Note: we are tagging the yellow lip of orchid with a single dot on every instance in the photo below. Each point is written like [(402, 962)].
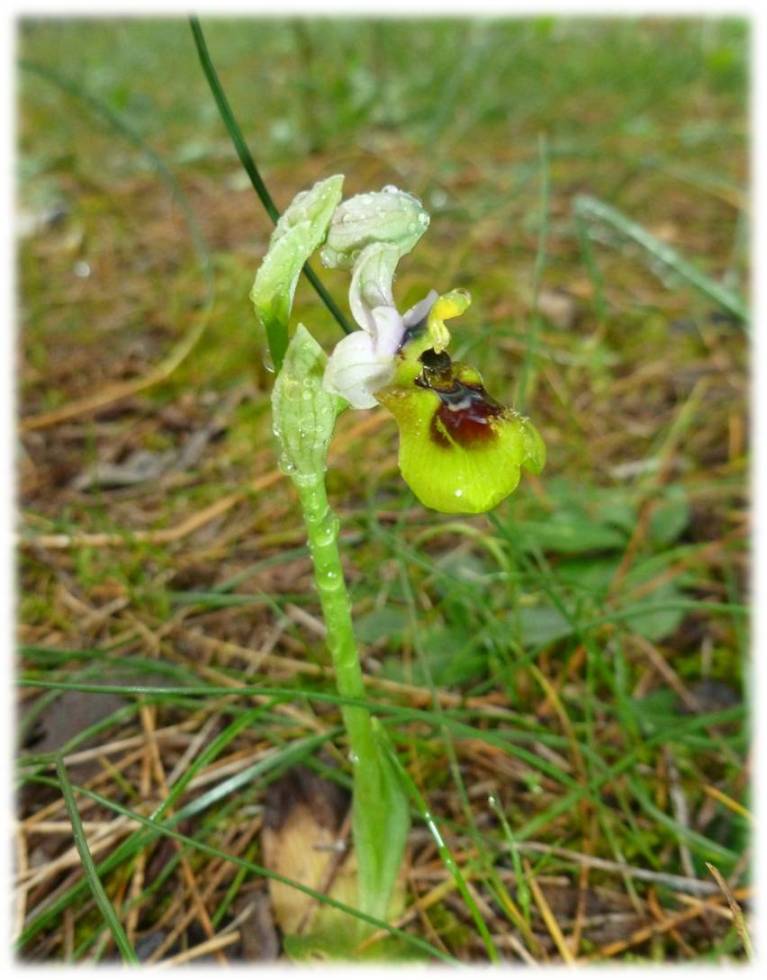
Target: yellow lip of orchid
[(460, 451)]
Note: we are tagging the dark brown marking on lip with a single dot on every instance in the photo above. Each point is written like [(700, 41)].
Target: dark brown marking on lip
[(466, 411), (464, 416)]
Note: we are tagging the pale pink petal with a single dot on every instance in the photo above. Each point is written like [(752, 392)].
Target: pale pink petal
[(421, 309), (389, 331)]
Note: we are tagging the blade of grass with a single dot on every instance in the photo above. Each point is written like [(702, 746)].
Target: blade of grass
[(595, 275), (594, 210), (445, 854), (703, 846), (249, 164), (234, 888), (523, 890), (737, 913), (89, 868), (531, 348)]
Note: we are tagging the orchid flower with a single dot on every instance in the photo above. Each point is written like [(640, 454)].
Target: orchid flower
[(460, 450)]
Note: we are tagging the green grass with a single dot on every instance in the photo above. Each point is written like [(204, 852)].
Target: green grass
[(605, 159), (89, 868)]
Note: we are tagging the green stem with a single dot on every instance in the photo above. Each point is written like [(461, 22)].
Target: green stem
[(377, 863), (322, 532)]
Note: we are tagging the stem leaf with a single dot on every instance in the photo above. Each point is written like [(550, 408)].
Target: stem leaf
[(381, 820)]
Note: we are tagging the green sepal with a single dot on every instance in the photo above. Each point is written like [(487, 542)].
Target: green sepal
[(304, 414), (388, 216), (299, 232)]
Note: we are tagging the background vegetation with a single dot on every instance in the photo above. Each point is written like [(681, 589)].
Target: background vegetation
[(566, 679)]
